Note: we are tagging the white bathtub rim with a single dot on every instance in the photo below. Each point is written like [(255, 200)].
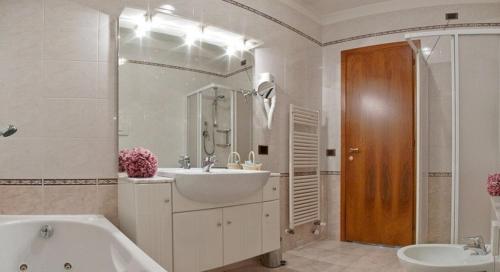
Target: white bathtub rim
[(98, 221)]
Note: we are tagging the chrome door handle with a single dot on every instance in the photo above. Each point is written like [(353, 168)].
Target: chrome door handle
[(353, 150)]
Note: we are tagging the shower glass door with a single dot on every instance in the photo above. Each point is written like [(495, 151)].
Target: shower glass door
[(219, 122)]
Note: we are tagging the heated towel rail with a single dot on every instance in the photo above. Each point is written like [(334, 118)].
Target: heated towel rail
[(304, 166)]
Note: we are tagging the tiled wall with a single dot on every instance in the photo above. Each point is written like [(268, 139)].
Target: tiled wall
[(57, 74), (378, 29), (57, 85)]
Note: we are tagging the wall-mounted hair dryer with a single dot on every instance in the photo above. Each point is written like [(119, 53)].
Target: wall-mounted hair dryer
[(266, 88), (8, 131)]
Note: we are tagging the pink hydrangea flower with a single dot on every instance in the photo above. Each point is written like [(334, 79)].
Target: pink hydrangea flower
[(140, 163), (122, 159), (494, 184)]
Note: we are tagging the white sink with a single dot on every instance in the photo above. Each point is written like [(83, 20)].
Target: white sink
[(216, 186), (443, 258)]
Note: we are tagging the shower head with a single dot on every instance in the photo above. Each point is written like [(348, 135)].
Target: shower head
[(9, 131)]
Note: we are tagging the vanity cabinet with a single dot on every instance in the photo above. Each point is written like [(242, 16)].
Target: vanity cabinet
[(198, 240), (190, 237)]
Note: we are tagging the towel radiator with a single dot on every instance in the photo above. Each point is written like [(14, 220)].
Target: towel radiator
[(304, 166)]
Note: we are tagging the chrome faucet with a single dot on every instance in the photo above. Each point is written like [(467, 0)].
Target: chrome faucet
[(46, 231), (208, 163), (476, 244), (184, 161)]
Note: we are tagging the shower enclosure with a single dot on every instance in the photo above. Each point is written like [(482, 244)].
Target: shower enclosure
[(458, 131), (219, 121)]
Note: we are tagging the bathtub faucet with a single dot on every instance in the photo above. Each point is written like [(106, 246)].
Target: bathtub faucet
[(46, 231), (476, 244)]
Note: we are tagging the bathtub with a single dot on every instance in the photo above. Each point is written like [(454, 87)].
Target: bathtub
[(82, 243)]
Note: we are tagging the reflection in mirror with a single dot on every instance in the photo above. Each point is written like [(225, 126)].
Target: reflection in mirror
[(185, 88)]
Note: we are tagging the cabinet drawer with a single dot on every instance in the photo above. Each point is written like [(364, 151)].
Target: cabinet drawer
[(271, 190), (270, 226)]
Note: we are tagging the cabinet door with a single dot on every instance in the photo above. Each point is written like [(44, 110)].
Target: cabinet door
[(270, 226), (242, 232), (271, 190), (154, 217), (197, 240)]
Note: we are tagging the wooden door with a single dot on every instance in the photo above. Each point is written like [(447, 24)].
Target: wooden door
[(242, 232), (198, 243), (378, 153)]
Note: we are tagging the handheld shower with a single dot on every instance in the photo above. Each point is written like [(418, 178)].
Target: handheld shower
[(9, 131)]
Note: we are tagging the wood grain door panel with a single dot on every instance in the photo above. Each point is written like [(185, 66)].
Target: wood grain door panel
[(378, 175)]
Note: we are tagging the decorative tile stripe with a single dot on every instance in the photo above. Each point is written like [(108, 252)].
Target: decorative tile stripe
[(271, 18), (370, 35), (182, 68), (108, 181), (330, 172), (284, 175), (411, 29), (20, 182), (440, 174), (69, 181), (239, 71)]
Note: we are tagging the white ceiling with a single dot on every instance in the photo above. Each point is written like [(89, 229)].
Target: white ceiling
[(331, 11)]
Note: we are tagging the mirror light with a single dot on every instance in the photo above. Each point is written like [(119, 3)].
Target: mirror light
[(144, 25)]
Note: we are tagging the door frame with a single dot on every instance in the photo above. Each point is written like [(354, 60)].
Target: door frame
[(343, 135)]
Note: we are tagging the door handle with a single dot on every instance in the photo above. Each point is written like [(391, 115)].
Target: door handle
[(353, 150)]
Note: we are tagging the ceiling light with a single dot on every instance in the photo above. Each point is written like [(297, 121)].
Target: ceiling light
[(192, 35), (168, 7), (426, 51), (230, 50), (122, 61), (144, 25)]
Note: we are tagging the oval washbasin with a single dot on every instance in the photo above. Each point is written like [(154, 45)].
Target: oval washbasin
[(218, 185), (443, 258)]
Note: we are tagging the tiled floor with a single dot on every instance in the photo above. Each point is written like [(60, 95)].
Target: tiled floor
[(335, 256)]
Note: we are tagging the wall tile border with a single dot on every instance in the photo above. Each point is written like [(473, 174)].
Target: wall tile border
[(412, 29), (336, 173), (440, 174), (50, 182), (187, 69), (326, 173), (272, 19), (358, 37), (107, 181), (36, 182)]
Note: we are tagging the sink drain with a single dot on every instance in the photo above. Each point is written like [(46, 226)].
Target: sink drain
[(23, 267)]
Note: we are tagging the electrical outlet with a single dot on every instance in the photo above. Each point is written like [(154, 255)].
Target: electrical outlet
[(263, 150), (331, 153), (451, 16)]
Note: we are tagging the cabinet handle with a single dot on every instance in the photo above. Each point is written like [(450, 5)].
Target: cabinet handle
[(166, 200), (274, 188), (219, 224), (229, 222), (267, 215)]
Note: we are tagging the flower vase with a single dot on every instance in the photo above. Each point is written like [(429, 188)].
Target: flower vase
[(495, 201)]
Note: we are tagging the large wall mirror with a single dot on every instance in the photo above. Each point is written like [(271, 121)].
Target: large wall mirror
[(185, 88)]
